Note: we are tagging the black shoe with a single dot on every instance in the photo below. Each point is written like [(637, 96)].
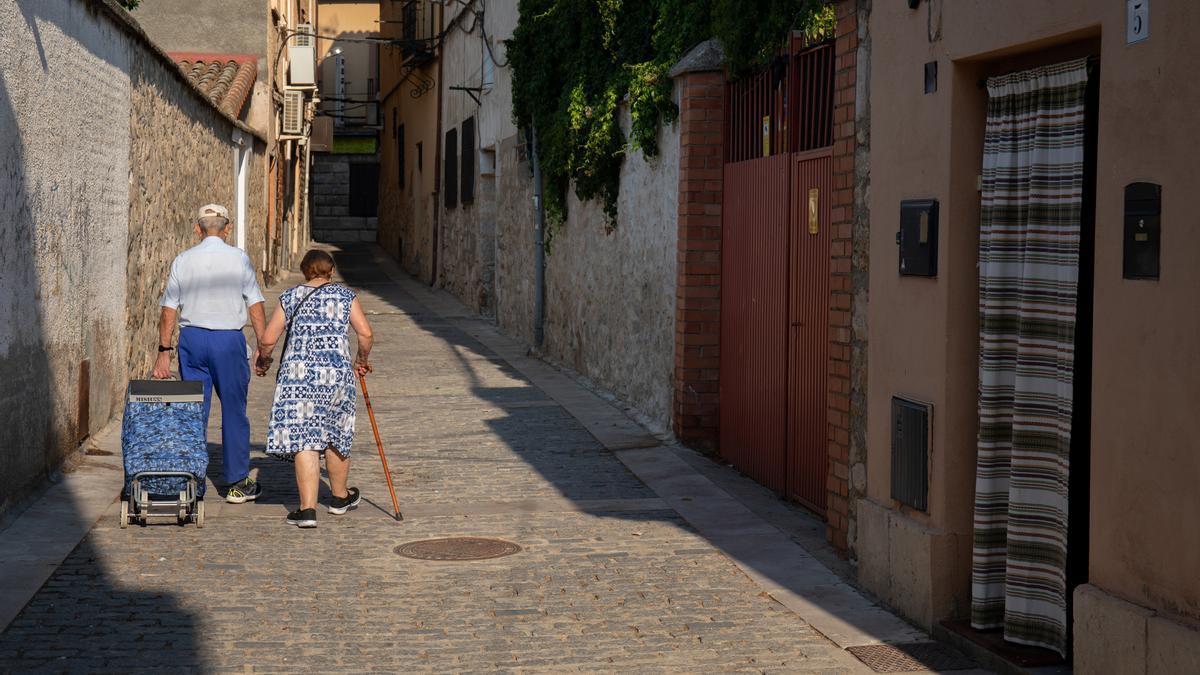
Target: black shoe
[(303, 518), (340, 505), (245, 490)]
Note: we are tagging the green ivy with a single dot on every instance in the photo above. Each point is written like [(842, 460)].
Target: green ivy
[(575, 61), (129, 4)]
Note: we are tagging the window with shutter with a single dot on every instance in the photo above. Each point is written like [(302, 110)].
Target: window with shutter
[(450, 170), (467, 191)]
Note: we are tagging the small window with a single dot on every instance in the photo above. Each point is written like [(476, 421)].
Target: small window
[(420, 156), (468, 161), (450, 170)]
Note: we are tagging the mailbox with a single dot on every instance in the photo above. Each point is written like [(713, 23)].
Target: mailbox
[(1143, 213), (918, 237)]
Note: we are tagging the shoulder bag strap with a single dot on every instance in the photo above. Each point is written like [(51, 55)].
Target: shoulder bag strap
[(287, 335)]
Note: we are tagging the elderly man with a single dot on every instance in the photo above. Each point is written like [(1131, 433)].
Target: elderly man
[(210, 287)]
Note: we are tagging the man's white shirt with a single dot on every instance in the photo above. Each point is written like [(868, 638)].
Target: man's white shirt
[(211, 284)]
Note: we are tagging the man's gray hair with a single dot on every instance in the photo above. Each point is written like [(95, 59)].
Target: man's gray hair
[(213, 223)]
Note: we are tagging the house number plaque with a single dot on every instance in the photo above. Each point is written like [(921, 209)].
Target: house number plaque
[(814, 219)]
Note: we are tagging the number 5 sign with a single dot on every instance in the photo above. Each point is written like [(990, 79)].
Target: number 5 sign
[(1137, 21)]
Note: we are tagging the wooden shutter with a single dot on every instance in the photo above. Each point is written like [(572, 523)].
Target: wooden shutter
[(450, 169), (467, 191)]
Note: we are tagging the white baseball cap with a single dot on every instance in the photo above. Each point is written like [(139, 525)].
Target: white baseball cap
[(214, 210)]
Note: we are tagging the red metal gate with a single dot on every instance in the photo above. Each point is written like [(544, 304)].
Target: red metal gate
[(775, 255)]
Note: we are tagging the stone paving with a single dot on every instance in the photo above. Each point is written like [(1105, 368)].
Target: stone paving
[(610, 577)]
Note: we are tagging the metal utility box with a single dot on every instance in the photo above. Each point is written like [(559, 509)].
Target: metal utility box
[(1143, 230), (918, 237), (910, 452)]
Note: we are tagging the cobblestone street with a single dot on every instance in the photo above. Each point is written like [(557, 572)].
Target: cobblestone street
[(610, 577)]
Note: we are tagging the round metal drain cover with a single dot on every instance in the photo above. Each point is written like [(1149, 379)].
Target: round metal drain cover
[(458, 548)]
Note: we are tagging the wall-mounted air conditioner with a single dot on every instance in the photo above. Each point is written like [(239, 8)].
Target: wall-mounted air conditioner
[(302, 57), (293, 112)]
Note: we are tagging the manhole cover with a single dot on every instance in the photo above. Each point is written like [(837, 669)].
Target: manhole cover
[(905, 658), (458, 548)]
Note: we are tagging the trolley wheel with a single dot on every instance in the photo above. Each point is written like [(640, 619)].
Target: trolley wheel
[(124, 513), (200, 513)]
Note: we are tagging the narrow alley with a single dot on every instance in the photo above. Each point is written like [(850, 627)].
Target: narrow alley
[(613, 574)]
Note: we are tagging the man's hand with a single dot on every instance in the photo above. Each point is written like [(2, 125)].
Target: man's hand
[(162, 366)]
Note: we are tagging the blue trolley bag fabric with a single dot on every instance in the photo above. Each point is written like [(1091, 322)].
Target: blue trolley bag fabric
[(163, 430)]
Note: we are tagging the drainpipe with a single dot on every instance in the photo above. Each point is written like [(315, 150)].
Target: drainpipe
[(439, 202), (539, 242)]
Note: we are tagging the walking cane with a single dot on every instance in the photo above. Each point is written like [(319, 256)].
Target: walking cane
[(362, 381)]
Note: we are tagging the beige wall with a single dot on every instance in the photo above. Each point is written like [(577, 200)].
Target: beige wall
[(349, 19), (407, 215), (1147, 381)]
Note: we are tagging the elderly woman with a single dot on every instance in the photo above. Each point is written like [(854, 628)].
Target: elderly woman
[(315, 397)]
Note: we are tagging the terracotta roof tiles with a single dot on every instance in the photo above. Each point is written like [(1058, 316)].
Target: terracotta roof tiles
[(226, 79)]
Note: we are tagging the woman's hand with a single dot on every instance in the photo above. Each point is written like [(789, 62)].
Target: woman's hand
[(362, 366), (262, 363)]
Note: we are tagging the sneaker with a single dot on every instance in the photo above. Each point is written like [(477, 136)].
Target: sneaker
[(303, 518), (245, 490), (340, 505)]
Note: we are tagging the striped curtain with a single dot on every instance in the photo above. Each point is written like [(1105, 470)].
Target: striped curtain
[(1028, 272)]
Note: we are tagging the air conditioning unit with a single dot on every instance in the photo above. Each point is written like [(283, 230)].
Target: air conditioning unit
[(302, 57), (293, 112)]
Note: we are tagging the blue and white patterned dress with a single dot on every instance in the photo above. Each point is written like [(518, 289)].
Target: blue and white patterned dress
[(316, 393)]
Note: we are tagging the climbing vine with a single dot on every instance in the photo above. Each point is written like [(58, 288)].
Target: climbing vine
[(575, 62)]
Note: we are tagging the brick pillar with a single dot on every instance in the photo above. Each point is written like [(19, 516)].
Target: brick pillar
[(841, 260), (698, 281)]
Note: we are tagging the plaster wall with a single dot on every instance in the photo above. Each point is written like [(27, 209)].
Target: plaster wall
[(407, 213), (925, 332), (64, 199), (105, 153), (351, 20)]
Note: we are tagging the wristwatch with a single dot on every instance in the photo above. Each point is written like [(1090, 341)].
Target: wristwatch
[(162, 349)]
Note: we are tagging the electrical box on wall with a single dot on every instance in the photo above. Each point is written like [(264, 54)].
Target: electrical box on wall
[(918, 237), (1143, 230), (910, 452)]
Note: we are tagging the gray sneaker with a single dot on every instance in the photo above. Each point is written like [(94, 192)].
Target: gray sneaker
[(245, 490)]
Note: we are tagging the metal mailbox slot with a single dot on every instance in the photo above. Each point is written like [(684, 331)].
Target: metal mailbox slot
[(1143, 230), (918, 237)]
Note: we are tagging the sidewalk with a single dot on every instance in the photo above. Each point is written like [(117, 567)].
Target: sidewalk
[(632, 558)]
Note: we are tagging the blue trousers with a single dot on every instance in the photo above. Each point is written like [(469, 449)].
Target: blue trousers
[(218, 359)]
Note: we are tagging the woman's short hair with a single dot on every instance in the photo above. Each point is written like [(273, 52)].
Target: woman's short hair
[(316, 264)]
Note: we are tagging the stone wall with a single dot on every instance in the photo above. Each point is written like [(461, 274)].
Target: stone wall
[(64, 88), (515, 231), (105, 153), (330, 197), (610, 296), (170, 122)]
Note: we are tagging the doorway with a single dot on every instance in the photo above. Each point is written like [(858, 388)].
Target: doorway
[(775, 263), (1036, 262)]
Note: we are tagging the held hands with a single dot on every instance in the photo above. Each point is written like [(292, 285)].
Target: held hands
[(262, 363)]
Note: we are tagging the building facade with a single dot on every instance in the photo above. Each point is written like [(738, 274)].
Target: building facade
[(1056, 394), (409, 155), (346, 169)]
